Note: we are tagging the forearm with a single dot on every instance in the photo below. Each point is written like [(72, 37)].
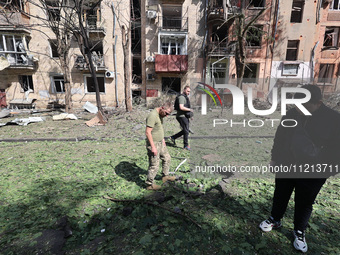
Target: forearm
[(150, 139)]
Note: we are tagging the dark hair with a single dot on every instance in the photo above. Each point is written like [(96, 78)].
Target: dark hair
[(187, 86), (315, 92)]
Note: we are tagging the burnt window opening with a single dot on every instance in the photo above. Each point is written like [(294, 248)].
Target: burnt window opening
[(331, 38), (172, 16), (89, 83), (54, 48), (92, 14), (171, 85), (326, 73), (292, 50), (53, 10), (96, 46), (14, 5), (135, 10), (58, 84), (26, 82), (136, 46), (251, 73), (297, 11), (137, 70), (254, 36), (257, 3)]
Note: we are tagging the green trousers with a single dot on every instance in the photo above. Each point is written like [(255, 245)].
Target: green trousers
[(163, 154)]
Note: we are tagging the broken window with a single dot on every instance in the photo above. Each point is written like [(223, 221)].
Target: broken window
[(172, 46), (254, 36), (92, 14), (219, 73), (297, 10), (137, 70), (290, 69), (53, 10), (13, 48), (89, 84), (57, 84), (14, 4), (26, 82), (331, 37), (54, 48), (171, 85), (172, 16), (292, 50), (326, 73), (257, 3), (136, 38), (335, 5), (250, 73)]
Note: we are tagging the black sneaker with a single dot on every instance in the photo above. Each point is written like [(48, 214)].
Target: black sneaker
[(269, 224), (172, 140), (300, 241)]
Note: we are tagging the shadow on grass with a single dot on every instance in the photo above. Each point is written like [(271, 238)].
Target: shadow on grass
[(229, 223), (131, 172)]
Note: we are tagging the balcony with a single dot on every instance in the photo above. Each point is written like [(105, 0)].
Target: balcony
[(17, 60), (215, 11), (93, 23), (221, 49), (171, 63), (171, 23), (98, 62)]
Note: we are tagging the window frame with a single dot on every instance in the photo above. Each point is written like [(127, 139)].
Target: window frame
[(173, 92), (52, 50), (98, 76), (257, 29), (291, 48), (286, 73), (335, 40), (332, 6), (29, 81), (53, 80), (302, 2)]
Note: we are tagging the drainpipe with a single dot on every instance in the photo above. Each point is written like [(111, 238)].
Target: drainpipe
[(114, 54), (204, 41), (276, 21), (212, 68)]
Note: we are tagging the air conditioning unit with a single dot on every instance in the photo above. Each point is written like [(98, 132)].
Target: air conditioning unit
[(150, 77), (151, 14), (150, 59), (109, 74)]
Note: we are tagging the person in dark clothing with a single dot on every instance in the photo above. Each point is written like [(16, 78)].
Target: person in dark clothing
[(311, 150), (183, 116)]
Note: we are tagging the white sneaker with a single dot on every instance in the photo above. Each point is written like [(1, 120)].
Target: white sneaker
[(300, 241), (269, 224)]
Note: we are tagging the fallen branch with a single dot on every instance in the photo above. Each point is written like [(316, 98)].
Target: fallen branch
[(150, 203)]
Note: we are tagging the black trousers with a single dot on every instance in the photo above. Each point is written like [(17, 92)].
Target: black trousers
[(184, 122), (306, 191)]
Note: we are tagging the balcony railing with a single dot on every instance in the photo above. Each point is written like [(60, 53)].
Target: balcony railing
[(98, 62), (18, 60), (171, 23), (171, 63), (94, 24), (221, 48)]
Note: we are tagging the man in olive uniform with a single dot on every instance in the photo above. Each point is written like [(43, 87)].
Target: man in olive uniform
[(184, 112), (156, 147)]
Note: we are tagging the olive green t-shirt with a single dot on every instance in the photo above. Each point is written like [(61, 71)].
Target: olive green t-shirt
[(156, 123), (181, 100)]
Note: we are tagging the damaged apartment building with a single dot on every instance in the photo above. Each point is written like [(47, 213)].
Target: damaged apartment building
[(172, 43)]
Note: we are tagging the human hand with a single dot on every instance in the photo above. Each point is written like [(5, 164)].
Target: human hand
[(154, 151)]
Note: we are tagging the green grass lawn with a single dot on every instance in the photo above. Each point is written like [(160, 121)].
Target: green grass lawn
[(41, 182)]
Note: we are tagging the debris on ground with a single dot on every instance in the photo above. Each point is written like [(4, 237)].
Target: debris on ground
[(23, 122), (65, 116), (98, 120), (90, 107)]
